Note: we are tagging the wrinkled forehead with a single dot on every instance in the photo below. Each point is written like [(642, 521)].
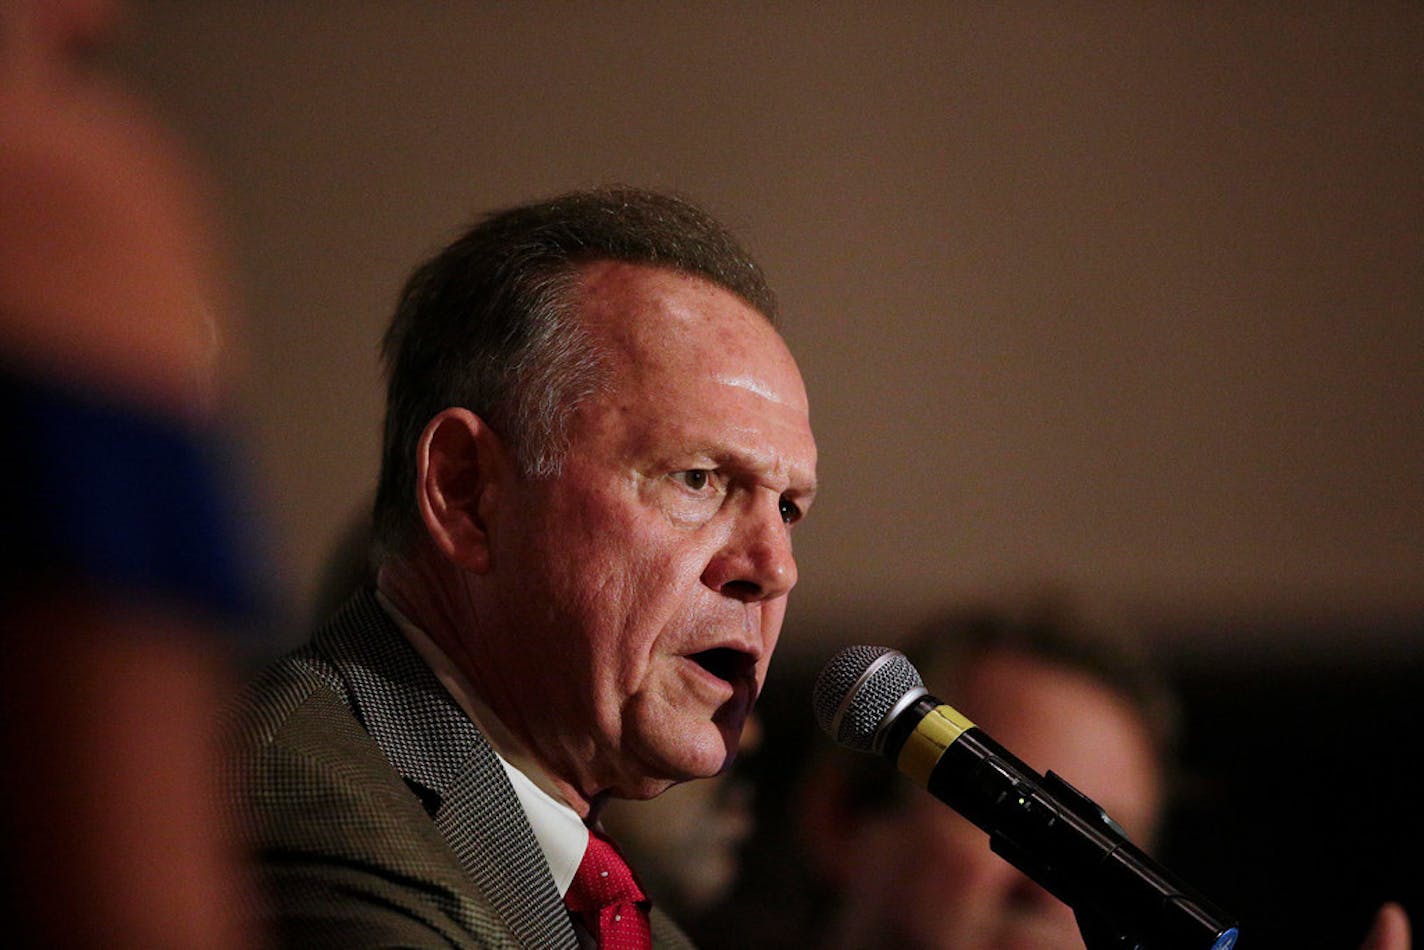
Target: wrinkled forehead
[(656, 321)]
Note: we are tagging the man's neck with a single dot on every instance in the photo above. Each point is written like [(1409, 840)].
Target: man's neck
[(431, 601), (427, 596)]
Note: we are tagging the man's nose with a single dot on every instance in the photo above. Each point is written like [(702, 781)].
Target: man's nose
[(756, 562)]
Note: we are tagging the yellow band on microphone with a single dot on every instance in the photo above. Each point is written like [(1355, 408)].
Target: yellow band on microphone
[(935, 733)]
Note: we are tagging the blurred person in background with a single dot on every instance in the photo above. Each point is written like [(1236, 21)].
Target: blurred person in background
[(121, 567), (903, 869), (347, 566), (848, 853)]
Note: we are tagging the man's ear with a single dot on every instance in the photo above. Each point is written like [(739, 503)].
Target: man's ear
[(459, 463)]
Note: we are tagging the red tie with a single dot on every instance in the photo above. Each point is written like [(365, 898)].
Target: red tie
[(608, 899)]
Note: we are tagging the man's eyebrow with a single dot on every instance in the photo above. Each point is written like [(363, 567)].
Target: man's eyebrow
[(741, 460), (805, 493)]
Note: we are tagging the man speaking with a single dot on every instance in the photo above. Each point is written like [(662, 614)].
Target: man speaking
[(596, 447)]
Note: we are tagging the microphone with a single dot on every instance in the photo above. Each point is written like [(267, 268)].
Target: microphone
[(871, 699)]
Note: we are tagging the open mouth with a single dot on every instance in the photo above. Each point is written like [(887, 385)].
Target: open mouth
[(726, 663)]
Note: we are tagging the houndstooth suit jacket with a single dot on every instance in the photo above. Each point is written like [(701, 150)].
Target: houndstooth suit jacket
[(377, 812)]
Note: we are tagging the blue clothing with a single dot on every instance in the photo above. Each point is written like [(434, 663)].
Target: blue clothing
[(99, 493)]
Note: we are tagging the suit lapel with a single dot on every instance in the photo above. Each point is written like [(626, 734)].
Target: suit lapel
[(448, 762)]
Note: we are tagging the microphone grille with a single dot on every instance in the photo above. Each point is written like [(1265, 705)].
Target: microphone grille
[(857, 689)]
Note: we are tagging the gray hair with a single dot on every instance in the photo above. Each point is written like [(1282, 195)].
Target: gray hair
[(490, 324)]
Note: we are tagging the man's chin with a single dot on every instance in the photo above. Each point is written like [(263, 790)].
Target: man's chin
[(701, 751), (643, 789)]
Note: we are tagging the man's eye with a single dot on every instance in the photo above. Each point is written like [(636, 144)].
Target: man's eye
[(790, 512), (695, 478)]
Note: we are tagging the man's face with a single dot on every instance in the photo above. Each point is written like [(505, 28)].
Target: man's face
[(925, 877), (641, 591)]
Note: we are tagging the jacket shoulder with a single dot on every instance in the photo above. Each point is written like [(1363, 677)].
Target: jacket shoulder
[(344, 851)]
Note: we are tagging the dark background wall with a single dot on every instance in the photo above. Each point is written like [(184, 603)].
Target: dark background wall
[(1122, 297), (1125, 295), (1296, 802)]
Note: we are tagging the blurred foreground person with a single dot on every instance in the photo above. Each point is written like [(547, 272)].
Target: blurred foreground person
[(596, 448), (119, 565)]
